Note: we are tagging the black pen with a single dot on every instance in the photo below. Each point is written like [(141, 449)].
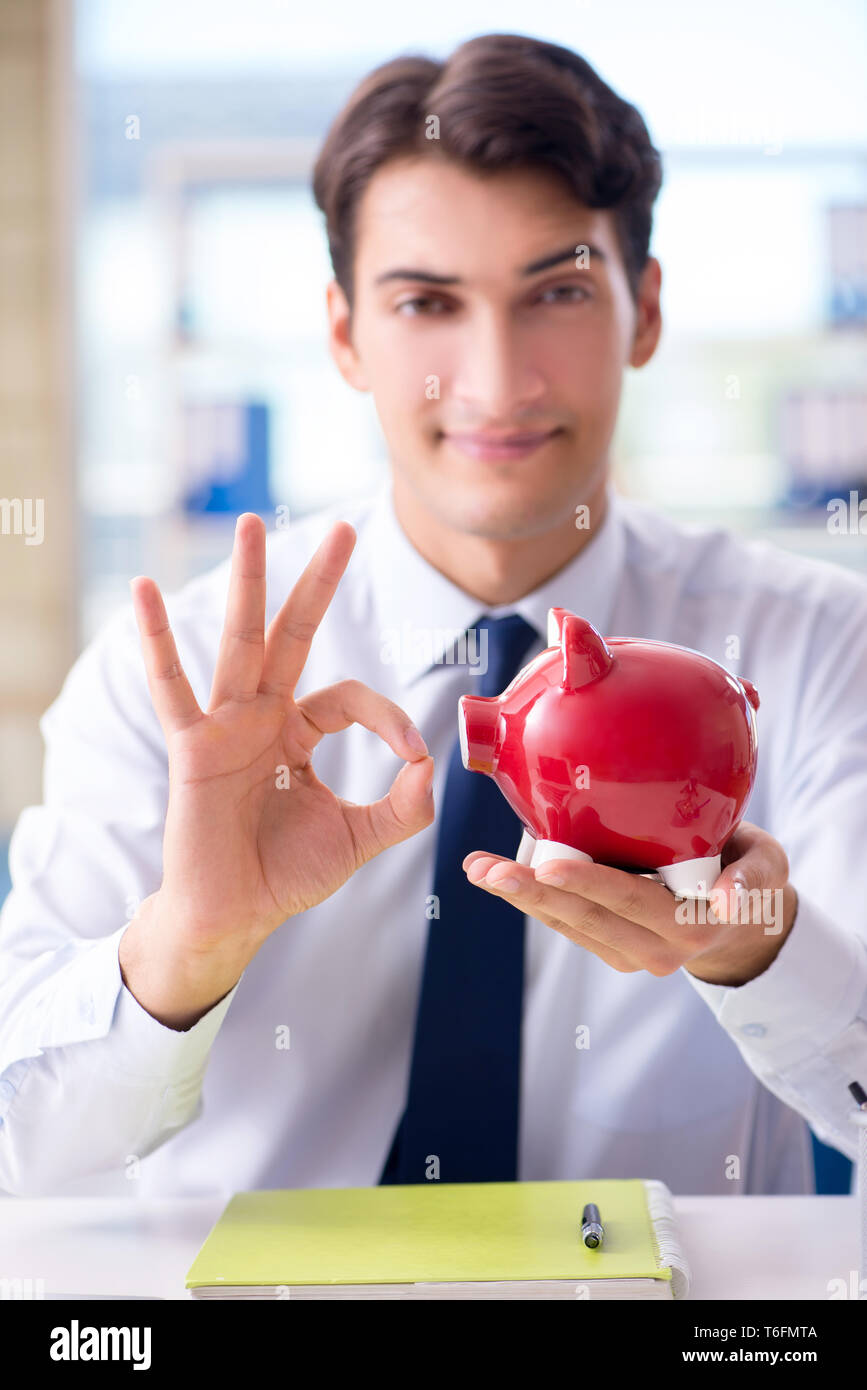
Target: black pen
[(591, 1226)]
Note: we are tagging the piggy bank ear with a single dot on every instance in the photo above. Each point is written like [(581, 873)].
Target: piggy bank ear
[(555, 625), (585, 654), (750, 691)]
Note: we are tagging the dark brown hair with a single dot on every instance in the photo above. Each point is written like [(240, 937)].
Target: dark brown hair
[(503, 101)]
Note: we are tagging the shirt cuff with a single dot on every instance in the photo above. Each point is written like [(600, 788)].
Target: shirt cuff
[(145, 1048), (808, 996), (88, 1001)]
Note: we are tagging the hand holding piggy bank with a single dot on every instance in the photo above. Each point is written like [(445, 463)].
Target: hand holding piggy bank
[(636, 754)]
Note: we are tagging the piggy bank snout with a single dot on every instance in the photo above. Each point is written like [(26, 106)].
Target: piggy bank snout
[(478, 716)]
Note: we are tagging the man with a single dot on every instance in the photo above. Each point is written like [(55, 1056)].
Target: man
[(316, 988)]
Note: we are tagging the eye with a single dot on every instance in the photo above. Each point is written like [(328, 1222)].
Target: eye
[(564, 294), (421, 304)]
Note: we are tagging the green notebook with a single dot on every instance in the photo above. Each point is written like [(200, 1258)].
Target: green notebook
[(444, 1240)]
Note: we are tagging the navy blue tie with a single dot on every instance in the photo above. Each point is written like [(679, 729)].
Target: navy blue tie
[(464, 1085)]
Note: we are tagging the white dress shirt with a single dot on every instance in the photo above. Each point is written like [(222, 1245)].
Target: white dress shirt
[(707, 1087)]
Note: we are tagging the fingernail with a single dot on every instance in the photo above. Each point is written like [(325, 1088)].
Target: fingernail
[(415, 740)]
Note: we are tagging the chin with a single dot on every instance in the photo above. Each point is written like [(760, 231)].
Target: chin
[(477, 513), (514, 502)]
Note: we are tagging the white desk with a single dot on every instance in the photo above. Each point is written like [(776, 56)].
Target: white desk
[(738, 1247)]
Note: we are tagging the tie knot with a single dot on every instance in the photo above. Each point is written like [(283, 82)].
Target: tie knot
[(502, 645)]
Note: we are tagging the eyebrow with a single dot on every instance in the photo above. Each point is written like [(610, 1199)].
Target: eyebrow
[(545, 263)]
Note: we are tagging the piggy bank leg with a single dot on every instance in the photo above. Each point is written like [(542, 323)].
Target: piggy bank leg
[(693, 878), (525, 849), (554, 849)]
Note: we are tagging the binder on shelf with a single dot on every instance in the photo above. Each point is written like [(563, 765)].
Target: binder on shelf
[(227, 457)]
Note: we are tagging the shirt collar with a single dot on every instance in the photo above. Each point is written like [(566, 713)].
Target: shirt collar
[(420, 613)]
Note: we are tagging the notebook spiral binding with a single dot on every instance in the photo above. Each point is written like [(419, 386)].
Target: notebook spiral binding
[(669, 1249)]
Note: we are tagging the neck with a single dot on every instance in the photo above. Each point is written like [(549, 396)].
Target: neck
[(496, 571)]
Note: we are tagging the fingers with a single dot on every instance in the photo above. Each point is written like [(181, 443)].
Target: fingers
[(586, 920), (407, 808), (754, 858), (531, 898), (172, 696), (626, 896), (755, 866), (242, 645), (335, 707), (408, 805), (290, 633)]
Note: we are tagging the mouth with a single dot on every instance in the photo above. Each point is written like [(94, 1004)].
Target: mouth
[(492, 447)]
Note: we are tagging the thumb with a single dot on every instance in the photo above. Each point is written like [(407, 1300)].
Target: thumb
[(407, 808)]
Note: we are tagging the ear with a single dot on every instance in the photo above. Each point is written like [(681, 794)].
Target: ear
[(648, 315), (340, 343)]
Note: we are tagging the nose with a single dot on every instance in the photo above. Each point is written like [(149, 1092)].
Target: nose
[(496, 379)]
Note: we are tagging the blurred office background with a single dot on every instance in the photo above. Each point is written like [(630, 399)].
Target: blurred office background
[(163, 361)]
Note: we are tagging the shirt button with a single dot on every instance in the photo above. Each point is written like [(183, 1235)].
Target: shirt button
[(7, 1090), (754, 1030)]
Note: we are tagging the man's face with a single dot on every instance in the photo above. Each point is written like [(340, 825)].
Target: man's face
[(496, 382)]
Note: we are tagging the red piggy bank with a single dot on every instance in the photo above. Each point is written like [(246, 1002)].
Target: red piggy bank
[(636, 754)]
